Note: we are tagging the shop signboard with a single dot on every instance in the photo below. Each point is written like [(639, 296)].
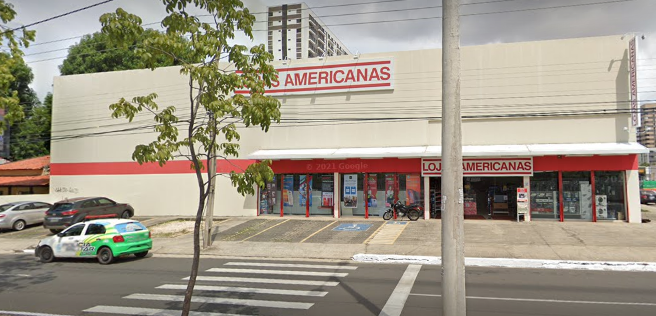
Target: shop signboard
[(389, 190), (351, 190), (288, 191), (331, 77), (482, 167), (303, 188), (372, 190), (635, 119), (412, 188)]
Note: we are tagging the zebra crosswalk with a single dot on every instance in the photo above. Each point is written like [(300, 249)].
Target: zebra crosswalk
[(238, 288)]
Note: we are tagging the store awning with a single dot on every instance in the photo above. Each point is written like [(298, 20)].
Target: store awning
[(581, 149)]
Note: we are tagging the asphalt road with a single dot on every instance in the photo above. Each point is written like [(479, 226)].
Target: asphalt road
[(266, 287)]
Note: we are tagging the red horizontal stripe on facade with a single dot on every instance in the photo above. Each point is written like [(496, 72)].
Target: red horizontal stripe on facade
[(590, 163), (354, 86), (127, 168)]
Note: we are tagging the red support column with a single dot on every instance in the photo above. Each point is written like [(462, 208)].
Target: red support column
[(307, 195), (364, 192), (396, 192), (282, 188), (561, 207), (594, 195)]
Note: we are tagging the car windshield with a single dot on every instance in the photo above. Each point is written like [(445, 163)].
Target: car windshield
[(5, 207), (129, 227), (62, 207)]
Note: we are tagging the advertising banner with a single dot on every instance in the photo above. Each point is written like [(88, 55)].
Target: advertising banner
[(268, 197), (351, 190), (372, 190), (522, 201), (327, 191), (389, 190), (288, 191), (305, 185), (412, 188)]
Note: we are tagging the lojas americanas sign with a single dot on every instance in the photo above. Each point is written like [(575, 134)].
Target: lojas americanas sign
[(344, 76), (482, 167)]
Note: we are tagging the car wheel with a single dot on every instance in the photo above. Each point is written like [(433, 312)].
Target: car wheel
[(125, 214), (46, 255), (55, 231), (105, 255), (19, 225), (141, 254)]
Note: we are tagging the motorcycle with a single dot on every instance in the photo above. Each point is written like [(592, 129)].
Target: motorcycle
[(413, 212)]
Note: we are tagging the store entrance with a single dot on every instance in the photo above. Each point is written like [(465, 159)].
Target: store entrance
[(484, 197)]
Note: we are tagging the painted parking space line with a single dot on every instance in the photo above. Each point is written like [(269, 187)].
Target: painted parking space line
[(388, 235), (244, 290), (540, 300), (264, 230), (287, 265), (221, 300), (18, 313), (265, 281), (399, 296), (122, 310), (318, 231), (277, 272)]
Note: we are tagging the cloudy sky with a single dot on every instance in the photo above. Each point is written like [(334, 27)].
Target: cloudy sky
[(378, 26)]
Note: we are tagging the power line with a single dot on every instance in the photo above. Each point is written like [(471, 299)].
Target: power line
[(59, 16)]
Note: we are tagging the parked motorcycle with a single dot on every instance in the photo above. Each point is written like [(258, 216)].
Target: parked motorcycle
[(413, 212)]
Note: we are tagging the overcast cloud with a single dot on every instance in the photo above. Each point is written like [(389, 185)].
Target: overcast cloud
[(423, 32)]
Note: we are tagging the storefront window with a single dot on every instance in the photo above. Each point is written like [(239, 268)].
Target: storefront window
[(544, 196), (269, 198), (577, 195), (351, 195), (609, 195), (322, 194)]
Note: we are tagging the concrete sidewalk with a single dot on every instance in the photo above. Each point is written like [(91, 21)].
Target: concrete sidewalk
[(321, 238)]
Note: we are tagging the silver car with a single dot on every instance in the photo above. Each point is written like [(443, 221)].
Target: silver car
[(17, 215)]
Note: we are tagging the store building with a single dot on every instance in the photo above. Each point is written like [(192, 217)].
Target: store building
[(551, 116)]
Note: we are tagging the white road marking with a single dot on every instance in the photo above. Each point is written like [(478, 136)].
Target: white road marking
[(16, 275), (277, 272), (17, 313), (544, 300), (397, 300), (221, 300), (243, 290), (29, 251), (286, 265), (147, 311), (268, 281)]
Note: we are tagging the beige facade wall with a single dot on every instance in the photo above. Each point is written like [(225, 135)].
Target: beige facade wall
[(519, 93)]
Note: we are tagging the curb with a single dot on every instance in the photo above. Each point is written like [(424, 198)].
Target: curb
[(516, 263)]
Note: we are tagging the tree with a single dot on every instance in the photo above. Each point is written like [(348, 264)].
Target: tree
[(97, 53), (24, 144), (11, 45), (211, 95), (31, 138)]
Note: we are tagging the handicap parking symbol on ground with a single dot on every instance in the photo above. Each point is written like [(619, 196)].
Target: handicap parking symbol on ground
[(352, 227)]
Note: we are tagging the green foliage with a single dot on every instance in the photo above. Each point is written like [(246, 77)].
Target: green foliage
[(31, 138), (211, 87), (97, 53), (12, 43)]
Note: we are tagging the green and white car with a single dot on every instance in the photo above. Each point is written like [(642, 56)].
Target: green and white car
[(105, 239)]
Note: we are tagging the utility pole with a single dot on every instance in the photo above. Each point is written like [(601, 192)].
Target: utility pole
[(211, 172), (453, 240)]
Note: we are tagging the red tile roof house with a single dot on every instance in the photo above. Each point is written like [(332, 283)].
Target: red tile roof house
[(29, 176)]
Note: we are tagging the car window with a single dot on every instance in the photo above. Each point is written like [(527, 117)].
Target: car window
[(129, 227), (95, 229), (41, 205), (5, 207), (89, 203), (62, 207), (104, 202), (27, 206), (74, 231)]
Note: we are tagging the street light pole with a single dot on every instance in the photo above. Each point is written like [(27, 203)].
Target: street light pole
[(453, 244)]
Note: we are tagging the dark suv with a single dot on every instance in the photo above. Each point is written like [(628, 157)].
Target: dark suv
[(68, 212)]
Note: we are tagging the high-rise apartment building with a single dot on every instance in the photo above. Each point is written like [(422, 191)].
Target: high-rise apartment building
[(295, 32), (647, 135)]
